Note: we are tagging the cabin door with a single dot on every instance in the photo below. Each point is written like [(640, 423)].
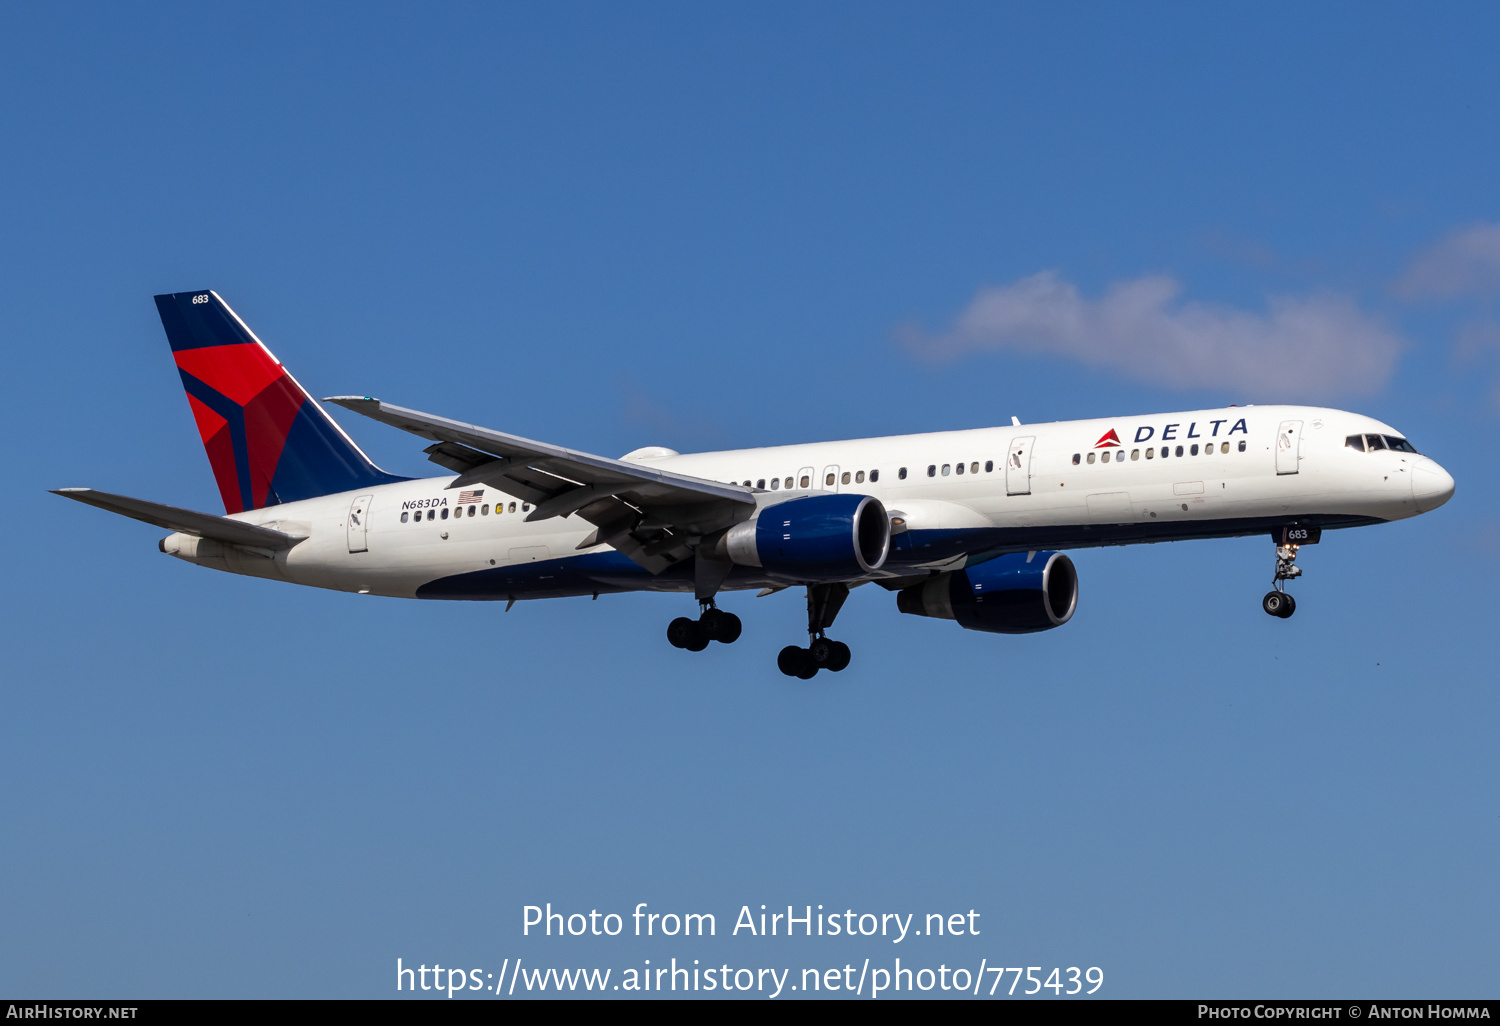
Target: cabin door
[(1018, 467)]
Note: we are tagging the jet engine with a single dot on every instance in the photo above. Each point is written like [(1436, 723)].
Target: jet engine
[(813, 539), (1020, 593)]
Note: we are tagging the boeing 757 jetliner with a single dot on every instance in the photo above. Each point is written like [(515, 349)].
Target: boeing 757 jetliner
[(961, 525)]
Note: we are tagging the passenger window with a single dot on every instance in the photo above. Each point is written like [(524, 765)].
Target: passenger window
[(1135, 454), (828, 480), (525, 507), (989, 466), (859, 478), (960, 468), (1151, 453), (1178, 452), (947, 469), (431, 514), (874, 476), (974, 467), (775, 483), (901, 474), (845, 478), (1242, 445), (445, 513), (932, 470), (1092, 457), (1195, 449), (484, 510), (1104, 456), (403, 518), (760, 482), (805, 480), (1224, 448)]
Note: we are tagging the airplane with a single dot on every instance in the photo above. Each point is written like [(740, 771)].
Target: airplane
[(970, 526)]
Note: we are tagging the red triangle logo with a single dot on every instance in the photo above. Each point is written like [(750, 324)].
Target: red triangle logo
[(1108, 439)]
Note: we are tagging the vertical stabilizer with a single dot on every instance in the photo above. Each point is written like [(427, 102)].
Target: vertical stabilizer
[(268, 441)]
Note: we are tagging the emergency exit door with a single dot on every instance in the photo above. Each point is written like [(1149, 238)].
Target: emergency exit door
[(358, 523), (1018, 466)]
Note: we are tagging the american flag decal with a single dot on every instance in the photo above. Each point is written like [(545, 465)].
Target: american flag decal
[(473, 495)]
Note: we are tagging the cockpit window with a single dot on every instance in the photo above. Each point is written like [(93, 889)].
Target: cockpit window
[(1373, 442), (1355, 442), (1399, 444)]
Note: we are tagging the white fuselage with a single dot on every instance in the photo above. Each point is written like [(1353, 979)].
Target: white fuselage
[(975, 493)]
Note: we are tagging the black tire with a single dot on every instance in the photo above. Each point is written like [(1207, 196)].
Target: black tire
[(809, 668), (729, 629), (1274, 603), (841, 656), (790, 660), (699, 640), (822, 652), (1291, 607), (681, 631), (720, 626)]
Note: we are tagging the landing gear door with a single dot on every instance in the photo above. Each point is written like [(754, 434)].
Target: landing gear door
[(358, 523), (1018, 467), (1288, 446)]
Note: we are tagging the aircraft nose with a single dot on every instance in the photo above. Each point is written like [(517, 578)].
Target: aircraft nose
[(1431, 485)]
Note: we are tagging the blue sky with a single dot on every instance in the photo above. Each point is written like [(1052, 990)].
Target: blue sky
[(611, 227)]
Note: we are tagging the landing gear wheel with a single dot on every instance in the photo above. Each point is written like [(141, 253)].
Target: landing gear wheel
[(720, 626), (1277, 603), (796, 662), (688, 634), (1291, 607), (822, 652), (829, 654)]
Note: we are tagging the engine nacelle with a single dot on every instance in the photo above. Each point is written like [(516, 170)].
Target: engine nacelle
[(813, 539), (1019, 593)]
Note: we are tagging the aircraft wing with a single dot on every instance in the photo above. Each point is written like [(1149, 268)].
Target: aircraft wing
[(174, 518), (651, 515)]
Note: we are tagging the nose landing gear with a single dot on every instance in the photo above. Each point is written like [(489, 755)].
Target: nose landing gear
[(1277, 602), (713, 624), (822, 653)]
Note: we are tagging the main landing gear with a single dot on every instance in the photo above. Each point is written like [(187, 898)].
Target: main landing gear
[(822, 653), (1277, 602), (713, 624)]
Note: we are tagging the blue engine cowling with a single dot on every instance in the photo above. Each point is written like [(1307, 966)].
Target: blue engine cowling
[(814, 539), (1016, 594)]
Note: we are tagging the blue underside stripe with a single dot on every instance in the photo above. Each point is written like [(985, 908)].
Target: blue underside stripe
[(609, 572)]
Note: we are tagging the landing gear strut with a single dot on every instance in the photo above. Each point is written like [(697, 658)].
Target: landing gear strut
[(713, 624), (822, 653), (1277, 602)]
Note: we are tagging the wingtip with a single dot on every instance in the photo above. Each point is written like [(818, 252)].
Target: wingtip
[(350, 402)]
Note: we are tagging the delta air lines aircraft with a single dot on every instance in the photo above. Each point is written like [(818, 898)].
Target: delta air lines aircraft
[(961, 525)]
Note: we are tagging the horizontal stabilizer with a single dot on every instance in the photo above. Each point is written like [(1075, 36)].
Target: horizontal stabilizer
[(173, 518)]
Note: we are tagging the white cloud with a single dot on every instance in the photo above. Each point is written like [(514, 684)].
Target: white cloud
[(1465, 263), (1311, 347)]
